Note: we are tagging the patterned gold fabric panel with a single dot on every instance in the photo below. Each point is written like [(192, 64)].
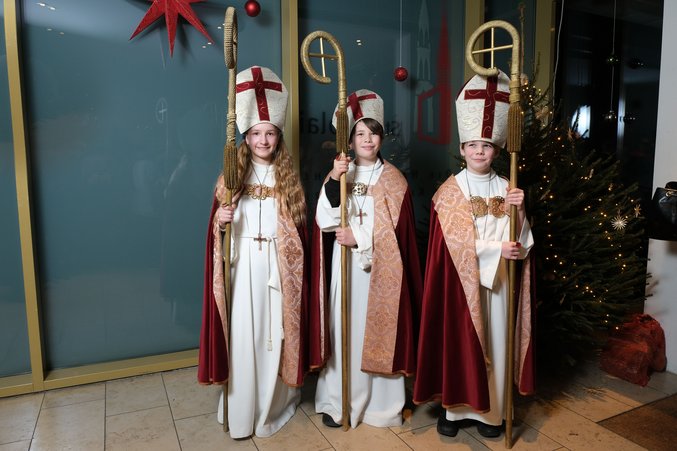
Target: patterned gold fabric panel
[(218, 283), (524, 321), (290, 260), (386, 274), (456, 221)]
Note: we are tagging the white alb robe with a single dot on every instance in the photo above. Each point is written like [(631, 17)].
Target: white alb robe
[(375, 400), (490, 232), (259, 402)]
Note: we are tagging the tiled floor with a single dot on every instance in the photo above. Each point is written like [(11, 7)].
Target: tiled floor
[(170, 411)]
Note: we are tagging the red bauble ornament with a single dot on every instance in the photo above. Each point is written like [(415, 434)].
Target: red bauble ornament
[(401, 73), (252, 8)]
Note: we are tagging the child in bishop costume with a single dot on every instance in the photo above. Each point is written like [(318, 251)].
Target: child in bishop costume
[(262, 352), (462, 344), (384, 276)]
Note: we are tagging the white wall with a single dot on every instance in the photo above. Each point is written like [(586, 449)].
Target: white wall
[(662, 305)]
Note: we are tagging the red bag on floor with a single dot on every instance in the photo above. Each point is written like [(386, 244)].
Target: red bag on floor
[(635, 349)]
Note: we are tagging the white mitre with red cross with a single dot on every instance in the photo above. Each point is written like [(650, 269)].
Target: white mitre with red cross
[(482, 109), (362, 104), (260, 97)]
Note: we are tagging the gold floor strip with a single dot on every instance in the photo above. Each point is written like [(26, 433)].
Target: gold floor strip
[(16, 385), (99, 372)]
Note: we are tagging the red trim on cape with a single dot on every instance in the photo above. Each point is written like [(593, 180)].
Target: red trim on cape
[(412, 288), (304, 323), (319, 351), (451, 364), (213, 358)]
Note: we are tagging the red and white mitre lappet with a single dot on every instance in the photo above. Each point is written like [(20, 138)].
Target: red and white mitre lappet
[(260, 97), (482, 109), (362, 104)]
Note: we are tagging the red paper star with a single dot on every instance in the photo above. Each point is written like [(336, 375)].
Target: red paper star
[(171, 10)]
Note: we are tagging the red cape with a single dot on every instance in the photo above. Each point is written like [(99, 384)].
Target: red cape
[(451, 364), (404, 359), (213, 360)]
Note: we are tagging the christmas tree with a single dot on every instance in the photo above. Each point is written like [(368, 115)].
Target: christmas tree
[(589, 233)]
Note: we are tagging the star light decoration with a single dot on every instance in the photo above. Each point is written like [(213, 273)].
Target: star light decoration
[(171, 9), (619, 223)]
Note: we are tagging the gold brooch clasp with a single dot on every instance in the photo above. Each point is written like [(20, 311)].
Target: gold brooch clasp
[(359, 189)]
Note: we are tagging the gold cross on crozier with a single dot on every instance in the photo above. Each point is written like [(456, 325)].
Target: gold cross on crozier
[(322, 56), (492, 48)]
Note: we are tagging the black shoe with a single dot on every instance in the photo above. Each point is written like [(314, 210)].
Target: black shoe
[(446, 427), (488, 430), (328, 421)]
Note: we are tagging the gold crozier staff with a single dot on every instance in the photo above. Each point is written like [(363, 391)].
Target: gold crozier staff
[(229, 171), (341, 148), (514, 142)]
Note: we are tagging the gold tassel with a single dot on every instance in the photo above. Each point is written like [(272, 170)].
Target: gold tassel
[(515, 121), (342, 131), (230, 166), (230, 152)]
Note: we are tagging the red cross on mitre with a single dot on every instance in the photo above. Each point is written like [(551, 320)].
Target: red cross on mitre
[(490, 95), (259, 85), (354, 104)]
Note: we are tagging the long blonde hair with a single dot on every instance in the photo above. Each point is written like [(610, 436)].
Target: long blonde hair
[(288, 190)]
